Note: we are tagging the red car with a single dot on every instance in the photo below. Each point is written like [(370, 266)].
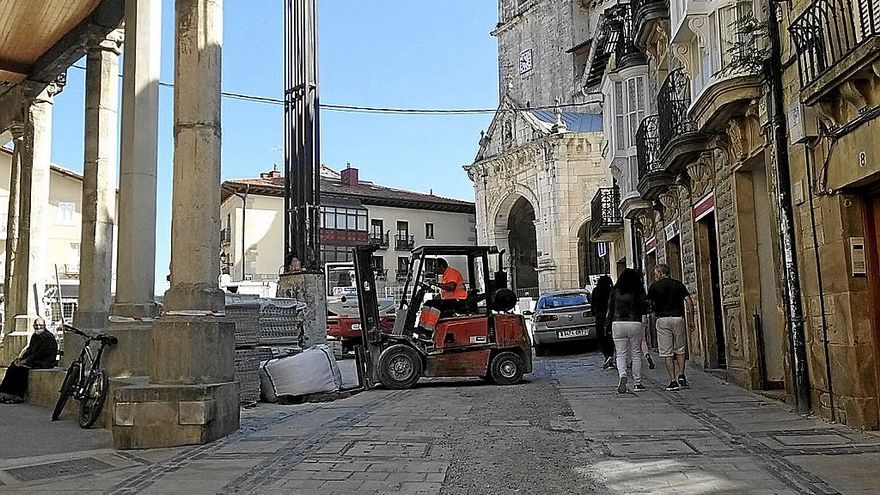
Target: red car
[(347, 329)]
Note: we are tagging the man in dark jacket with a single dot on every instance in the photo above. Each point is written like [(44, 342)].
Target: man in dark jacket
[(41, 353), (599, 307)]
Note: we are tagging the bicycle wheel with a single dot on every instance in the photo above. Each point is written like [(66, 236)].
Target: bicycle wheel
[(93, 400), (66, 391)]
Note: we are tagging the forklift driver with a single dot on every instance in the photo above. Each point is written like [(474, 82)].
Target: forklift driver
[(453, 294)]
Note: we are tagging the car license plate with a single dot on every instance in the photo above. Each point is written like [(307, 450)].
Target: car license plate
[(356, 326), (568, 334)]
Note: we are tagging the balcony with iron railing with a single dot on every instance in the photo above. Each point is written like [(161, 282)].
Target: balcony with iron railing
[(403, 242), (653, 178), (379, 239), (606, 220), (614, 37), (677, 133), (836, 41), (646, 14)]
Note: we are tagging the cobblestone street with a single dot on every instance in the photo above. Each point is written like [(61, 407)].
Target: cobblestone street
[(564, 431)]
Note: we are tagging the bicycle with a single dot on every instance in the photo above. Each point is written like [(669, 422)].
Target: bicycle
[(85, 380)]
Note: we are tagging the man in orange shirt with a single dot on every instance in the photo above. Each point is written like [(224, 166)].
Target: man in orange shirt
[(452, 290)]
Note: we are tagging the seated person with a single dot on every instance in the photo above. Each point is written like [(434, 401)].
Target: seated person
[(40, 353), (453, 295)]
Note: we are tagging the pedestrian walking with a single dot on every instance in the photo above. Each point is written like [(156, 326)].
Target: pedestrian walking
[(626, 308), (668, 297), (599, 307)]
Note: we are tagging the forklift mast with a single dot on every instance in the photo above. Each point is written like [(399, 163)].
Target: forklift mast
[(368, 306)]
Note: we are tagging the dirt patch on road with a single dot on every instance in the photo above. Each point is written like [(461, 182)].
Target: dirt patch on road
[(506, 444)]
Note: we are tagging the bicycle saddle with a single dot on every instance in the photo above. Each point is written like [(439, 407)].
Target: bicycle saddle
[(106, 339)]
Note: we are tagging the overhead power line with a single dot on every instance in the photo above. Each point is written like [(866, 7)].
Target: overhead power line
[(334, 107)]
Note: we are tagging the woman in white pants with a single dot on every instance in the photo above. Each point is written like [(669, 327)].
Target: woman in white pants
[(626, 308)]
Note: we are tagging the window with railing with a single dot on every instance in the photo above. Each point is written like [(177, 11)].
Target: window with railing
[(673, 102), (648, 144), (828, 31), (403, 242)]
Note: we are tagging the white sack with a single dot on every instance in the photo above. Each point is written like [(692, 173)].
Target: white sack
[(309, 372)]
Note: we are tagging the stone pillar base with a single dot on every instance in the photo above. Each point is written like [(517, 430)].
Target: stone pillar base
[(130, 356), (90, 320), (15, 341), (190, 396), (158, 416), (308, 288), (149, 310), (192, 350), (12, 345)]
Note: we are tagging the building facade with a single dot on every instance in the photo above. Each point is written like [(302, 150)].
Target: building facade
[(539, 163), (697, 188), (833, 102), (353, 212), (61, 252)]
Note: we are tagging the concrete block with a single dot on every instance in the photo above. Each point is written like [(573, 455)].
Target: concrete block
[(43, 386), (196, 412), (124, 414)]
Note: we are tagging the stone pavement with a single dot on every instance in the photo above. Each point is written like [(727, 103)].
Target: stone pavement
[(565, 431)]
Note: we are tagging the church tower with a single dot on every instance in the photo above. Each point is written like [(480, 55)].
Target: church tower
[(542, 49)]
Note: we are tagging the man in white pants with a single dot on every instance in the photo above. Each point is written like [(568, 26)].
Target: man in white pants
[(668, 297)]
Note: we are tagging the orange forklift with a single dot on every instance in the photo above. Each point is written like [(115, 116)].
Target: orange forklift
[(480, 338)]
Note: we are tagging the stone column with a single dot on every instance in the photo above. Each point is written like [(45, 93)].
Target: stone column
[(136, 249), (136, 265), (34, 222), (12, 304), (99, 182), (191, 397), (195, 219), (27, 276)]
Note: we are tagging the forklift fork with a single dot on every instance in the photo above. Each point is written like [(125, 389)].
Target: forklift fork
[(368, 305)]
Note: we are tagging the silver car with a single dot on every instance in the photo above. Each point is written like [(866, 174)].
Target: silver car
[(561, 317)]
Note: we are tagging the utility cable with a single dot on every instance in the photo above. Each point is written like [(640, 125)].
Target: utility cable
[(267, 100)]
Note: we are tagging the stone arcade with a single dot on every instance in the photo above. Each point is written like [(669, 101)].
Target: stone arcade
[(156, 398)]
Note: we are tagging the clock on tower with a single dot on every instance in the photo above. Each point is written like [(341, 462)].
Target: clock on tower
[(525, 61)]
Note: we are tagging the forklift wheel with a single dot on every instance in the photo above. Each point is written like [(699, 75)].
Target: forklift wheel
[(400, 367), (506, 368)]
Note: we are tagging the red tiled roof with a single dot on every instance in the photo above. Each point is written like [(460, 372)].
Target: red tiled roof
[(367, 192), (55, 168)]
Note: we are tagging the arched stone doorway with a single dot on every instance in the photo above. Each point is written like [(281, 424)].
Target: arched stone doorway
[(523, 243), (590, 264)]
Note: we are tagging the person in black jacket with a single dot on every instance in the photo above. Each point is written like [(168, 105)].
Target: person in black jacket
[(626, 308), (599, 306), (41, 353)]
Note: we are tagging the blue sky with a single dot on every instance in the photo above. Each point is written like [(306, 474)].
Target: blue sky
[(384, 53)]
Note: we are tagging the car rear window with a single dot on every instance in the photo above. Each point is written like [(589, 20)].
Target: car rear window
[(563, 301)]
